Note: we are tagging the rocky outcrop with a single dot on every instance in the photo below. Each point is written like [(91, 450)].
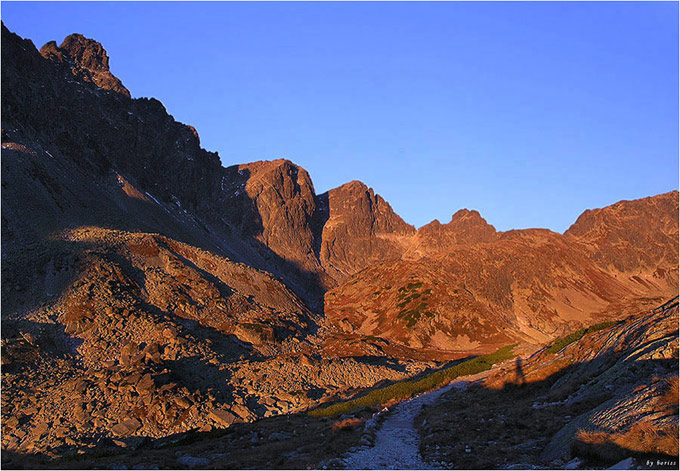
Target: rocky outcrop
[(465, 228), (606, 396), (274, 203), (361, 229), (637, 239), (87, 60), (100, 132)]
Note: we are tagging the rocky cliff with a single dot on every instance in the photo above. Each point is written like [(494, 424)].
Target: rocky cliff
[(86, 59), (147, 290), (360, 229), (476, 289)]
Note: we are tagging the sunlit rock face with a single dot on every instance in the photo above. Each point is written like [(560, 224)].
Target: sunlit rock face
[(149, 291)]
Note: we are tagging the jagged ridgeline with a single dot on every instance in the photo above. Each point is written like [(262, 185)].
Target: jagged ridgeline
[(149, 292)]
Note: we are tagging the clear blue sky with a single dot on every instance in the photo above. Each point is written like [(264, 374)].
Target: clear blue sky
[(527, 112)]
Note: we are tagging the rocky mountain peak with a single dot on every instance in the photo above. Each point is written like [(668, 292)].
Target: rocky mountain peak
[(360, 228), (357, 201), (353, 187), (51, 51), (632, 234), (470, 226), (86, 52), (467, 215), (466, 227), (274, 203), (88, 61)]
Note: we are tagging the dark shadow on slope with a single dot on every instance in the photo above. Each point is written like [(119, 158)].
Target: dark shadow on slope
[(24, 341), (319, 220), (245, 222), (515, 425), (519, 372), (195, 374), (35, 208), (64, 147), (503, 426)]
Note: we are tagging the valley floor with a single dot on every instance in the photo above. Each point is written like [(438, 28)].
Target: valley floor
[(397, 441)]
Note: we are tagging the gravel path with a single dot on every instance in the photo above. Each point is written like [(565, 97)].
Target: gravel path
[(397, 441)]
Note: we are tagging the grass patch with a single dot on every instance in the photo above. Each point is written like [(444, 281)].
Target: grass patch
[(409, 388), (412, 316), (408, 295), (574, 336), (259, 328)]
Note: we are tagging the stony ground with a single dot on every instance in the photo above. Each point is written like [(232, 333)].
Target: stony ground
[(609, 396), (159, 310), (397, 442), (283, 442), (153, 338)]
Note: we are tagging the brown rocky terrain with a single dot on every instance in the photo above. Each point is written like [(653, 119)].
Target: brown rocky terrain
[(483, 289), (86, 59), (465, 228), (608, 396), (360, 226), (633, 238), (153, 337), (152, 298)]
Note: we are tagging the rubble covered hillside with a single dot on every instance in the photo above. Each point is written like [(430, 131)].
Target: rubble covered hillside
[(160, 310)]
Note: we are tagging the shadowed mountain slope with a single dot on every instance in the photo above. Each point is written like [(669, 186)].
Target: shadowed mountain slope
[(590, 401), (69, 106), (148, 291), (83, 153)]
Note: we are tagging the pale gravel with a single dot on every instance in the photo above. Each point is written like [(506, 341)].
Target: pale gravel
[(397, 441)]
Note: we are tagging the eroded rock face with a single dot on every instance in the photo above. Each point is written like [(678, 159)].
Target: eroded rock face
[(98, 131), (633, 238), (361, 229), (87, 59), (465, 228), (273, 202), (482, 289)]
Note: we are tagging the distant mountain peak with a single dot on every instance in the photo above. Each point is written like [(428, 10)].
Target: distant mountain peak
[(353, 185), (466, 226), (467, 214), (88, 60)]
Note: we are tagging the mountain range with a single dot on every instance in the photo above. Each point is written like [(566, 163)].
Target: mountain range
[(147, 290)]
